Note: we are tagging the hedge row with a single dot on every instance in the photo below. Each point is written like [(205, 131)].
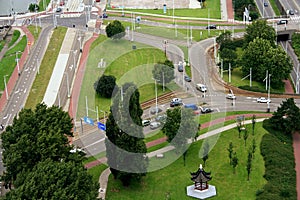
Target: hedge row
[(277, 150)]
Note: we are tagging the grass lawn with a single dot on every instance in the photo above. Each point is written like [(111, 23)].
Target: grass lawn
[(212, 10), (126, 64), (15, 37), (96, 171), (275, 8), (8, 62), (33, 31), (40, 83), (236, 80), (43, 4), (173, 179)]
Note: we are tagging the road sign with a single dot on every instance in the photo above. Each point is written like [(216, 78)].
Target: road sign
[(101, 126), (88, 121), (29, 43)]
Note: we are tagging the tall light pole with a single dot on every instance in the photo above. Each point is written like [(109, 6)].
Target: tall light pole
[(173, 13), (68, 87), (155, 96), (17, 60), (80, 44), (165, 42), (229, 73), (268, 110), (6, 92), (74, 61)]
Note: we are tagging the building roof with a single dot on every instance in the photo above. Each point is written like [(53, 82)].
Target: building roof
[(201, 176)]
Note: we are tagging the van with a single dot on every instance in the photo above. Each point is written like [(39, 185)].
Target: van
[(283, 21), (201, 87)]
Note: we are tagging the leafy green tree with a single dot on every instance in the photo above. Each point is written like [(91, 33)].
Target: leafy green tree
[(34, 136), (245, 136), (234, 161), (163, 72), (105, 85), (239, 128), (223, 39), (230, 151), (33, 7), (260, 56), (253, 147), (253, 123), (287, 117), (205, 152), (260, 29), (54, 180), (115, 30), (179, 127), (125, 148), (249, 164), (228, 56)]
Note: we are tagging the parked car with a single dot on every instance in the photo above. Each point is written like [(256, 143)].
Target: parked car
[(230, 96), (176, 102), (58, 9), (201, 87), (266, 4), (154, 125), (263, 100), (155, 110), (212, 26), (180, 67), (145, 122), (161, 118), (206, 110), (191, 106), (283, 21), (104, 15), (187, 78)]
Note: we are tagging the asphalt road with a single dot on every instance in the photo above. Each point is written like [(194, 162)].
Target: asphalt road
[(266, 12)]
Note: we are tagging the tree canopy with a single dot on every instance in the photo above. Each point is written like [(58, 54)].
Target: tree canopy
[(125, 148), (179, 127), (260, 29), (105, 85), (163, 72), (287, 117), (34, 137), (115, 30), (54, 180), (261, 56)]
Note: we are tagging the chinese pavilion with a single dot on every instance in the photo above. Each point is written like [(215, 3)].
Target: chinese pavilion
[(200, 179)]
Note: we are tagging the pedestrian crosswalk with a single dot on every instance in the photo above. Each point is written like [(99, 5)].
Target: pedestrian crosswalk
[(295, 18)]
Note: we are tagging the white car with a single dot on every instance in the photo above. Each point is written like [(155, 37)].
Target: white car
[(263, 100), (201, 87), (231, 96), (154, 125)]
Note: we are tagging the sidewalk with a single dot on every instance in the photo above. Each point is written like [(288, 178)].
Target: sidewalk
[(296, 145)]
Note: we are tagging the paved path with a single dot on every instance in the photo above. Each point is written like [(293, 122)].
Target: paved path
[(296, 145)]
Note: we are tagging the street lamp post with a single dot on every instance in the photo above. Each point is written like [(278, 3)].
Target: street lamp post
[(268, 110), (155, 96), (6, 92), (80, 44), (74, 61), (165, 46), (17, 60)]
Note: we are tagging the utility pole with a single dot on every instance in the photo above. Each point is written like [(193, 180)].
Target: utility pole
[(268, 110), (6, 92), (229, 73), (86, 106)]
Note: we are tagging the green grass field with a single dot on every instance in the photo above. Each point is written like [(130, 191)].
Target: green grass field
[(173, 179), (126, 64), (212, 10), (41, 81), (15, 37), (96, 171), (35, 31)]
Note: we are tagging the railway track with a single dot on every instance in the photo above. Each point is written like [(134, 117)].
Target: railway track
[(160, 100)]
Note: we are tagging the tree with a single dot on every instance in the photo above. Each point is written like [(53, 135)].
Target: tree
[(253, 123), (228, 56), (33, 7), (224, 38), (54, 180), (260, 29), (179, 127), (34, 136), (163, 72), (230, 151), (287, 117), (115, 30), (249, 164), (253, 148), (205, 152), (239, 129), (234, 161), (125, 148), (245, 136), (260, 56), (105, 85)]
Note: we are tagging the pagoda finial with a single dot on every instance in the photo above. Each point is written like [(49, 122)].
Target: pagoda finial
[(200, 166)]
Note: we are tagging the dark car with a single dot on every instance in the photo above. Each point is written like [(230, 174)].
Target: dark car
[(291, 12), (180, 67), (211, 27), (266, 4), (283, 21), (104, 15), (58, 10), (187, 78)]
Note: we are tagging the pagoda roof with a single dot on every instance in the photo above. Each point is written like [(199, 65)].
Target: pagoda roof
[(201, 176)]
